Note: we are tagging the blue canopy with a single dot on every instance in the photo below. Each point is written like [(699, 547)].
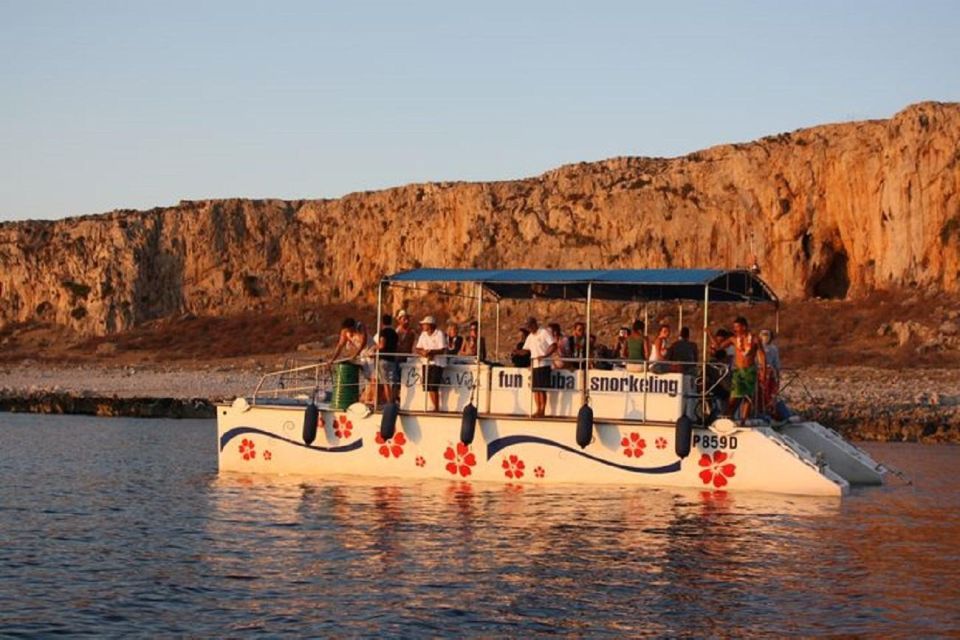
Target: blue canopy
[(737, 285)]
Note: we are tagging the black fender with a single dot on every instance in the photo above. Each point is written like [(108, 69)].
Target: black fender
[(468, 424), (388, 421), (683, 436), (584, 426), (311, 416)]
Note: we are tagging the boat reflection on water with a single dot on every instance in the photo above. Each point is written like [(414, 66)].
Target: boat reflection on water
[(561, 557)]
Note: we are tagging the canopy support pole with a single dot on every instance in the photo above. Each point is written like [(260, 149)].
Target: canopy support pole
[(706, 336), (776, 325), (496, 344), (645, 320), (679, 318), (376, 354), (582, 370), (476, 383)]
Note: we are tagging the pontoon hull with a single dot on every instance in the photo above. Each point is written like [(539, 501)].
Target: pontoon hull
[(268, 439)]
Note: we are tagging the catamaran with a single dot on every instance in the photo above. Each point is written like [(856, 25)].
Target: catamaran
[(606, 423)]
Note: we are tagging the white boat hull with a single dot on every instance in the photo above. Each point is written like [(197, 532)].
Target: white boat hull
[(269, 439)]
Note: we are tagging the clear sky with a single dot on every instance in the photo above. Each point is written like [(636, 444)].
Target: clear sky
[(135, 104)]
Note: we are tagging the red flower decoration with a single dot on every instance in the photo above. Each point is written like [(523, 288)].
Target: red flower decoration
[(342, 427), (420, 461), (661, 443), (247, 449), (539, 472), (715, 470), (393, 446), (513, 467), (267, 455), (460, 460), (633, 446)]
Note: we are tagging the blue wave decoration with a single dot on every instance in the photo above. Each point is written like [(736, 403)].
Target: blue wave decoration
[(500, 444), (239, 431)]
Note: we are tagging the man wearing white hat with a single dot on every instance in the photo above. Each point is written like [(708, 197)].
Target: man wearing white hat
[(431, 345)]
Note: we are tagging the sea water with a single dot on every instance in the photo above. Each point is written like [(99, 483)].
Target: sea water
[(115, 527)]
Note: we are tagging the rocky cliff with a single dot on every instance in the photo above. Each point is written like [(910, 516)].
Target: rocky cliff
[(832, 211)]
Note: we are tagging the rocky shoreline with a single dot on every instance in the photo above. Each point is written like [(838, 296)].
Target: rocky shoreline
[(115, 407), (863, 403)]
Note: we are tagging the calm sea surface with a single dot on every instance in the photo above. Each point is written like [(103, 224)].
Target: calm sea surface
[(123, 527)]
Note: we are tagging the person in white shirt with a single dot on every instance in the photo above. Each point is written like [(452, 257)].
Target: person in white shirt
[(431, 347), (659, 348), (540, 345)]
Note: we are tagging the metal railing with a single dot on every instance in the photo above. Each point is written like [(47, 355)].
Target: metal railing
[(315, 381)]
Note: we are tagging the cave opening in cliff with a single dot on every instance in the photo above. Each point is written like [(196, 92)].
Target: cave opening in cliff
[(835, 281)]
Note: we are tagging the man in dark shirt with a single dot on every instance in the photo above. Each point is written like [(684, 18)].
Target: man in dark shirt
[(684, 352), (389, 367)]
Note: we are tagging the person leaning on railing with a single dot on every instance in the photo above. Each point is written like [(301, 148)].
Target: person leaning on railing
[(432, 347), (353, 340)]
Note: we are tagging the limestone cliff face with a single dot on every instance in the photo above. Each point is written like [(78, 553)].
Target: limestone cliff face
[(835, 211)]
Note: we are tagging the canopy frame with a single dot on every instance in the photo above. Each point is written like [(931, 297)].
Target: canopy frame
[(623, 285)]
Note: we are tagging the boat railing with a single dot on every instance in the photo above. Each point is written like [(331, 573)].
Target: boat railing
[(309, 380), (316, 380)]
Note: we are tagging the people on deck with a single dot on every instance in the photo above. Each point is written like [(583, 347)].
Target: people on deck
[(748, 360), (351, 348), (600, 355), (771, 383), (352, 341), (659, 347), (388, 370), (406, 335), (454, 339), (684, 354), (620, 347), (723, 335), (573, 348), (519, 357), (540, 345), (770, 350), (473, 345), (432, 348), (718, 384), (637, 347), (556, 361)]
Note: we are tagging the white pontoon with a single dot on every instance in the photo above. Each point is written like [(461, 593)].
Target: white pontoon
[(605, 424)]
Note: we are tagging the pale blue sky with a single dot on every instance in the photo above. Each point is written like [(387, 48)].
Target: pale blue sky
[(108, 105)]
